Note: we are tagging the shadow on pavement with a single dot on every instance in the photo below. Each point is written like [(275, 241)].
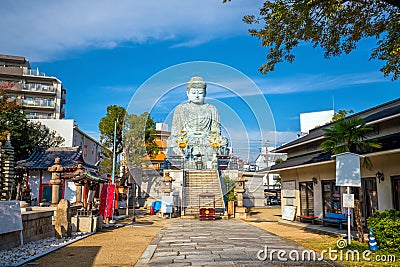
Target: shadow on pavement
[(68, 256)]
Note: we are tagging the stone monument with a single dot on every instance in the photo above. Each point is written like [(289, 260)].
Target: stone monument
[(63, 219), (196, 129)]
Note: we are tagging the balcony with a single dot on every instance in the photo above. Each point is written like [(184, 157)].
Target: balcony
[(38, 102), (10, 85), (15, 71), (39, 116), (38, 88)]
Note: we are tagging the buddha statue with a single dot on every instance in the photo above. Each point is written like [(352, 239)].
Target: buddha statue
[(196, 124)]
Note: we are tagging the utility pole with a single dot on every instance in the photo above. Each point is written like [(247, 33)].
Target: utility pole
[(266, 153), (114, 152)]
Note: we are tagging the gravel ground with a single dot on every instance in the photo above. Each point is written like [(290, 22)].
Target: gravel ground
[(19, 255)]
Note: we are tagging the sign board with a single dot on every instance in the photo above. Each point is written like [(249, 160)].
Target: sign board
[(348, 169), (166, 205), (289, 189), (289, 213), (10, 217), (348, 200)]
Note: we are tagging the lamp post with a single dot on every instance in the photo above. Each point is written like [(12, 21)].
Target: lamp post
[(215, 143), (182, 143), (114, 152)]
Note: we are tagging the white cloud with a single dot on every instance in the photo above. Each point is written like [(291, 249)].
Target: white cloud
[(43, 29), (317, 82)]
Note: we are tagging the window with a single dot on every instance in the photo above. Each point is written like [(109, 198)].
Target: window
[(396, 192), (369, 197), (331, 197), (307, 198)]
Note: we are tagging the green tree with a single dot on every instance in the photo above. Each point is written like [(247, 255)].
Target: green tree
[(334, 25), (341, 114), (25, 135), (106, 127), (139, 138), (350, 135)]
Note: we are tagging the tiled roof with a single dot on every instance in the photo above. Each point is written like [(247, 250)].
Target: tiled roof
[(89, 176), (388, 142), (41, 159)]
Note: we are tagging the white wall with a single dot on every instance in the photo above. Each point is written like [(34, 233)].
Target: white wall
[(34, 184), (73, 136), (64, 128), (311, 120)]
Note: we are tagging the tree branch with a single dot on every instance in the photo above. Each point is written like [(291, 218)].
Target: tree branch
[(395, 3)]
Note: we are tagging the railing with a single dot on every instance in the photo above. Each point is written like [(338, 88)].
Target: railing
[(38, 87), (38, 102), (34, 72), (39, 116)]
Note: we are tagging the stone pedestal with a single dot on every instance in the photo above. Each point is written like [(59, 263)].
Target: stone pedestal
[(86, 224), (241, 213)]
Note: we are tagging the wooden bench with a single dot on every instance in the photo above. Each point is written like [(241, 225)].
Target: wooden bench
[(334, 218), (307, 218)]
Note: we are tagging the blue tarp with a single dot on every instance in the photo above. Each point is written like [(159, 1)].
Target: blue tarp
[(156, 206)]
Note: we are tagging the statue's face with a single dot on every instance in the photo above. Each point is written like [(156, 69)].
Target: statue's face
[(196, 95)]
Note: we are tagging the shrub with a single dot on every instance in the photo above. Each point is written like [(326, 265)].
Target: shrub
[(386, 229)]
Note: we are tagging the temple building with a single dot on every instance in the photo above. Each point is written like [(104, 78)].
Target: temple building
[(37, 174)]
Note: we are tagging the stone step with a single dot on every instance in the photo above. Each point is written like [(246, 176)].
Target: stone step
[(199, 182)]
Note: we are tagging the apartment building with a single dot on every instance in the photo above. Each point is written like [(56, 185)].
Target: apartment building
[(41, 96)]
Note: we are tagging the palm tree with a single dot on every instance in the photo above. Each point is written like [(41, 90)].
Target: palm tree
[(350, 135)]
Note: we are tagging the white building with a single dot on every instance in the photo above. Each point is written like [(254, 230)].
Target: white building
[(311, 120), (73, 136)]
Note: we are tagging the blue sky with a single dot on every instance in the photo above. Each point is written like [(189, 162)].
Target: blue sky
[(103, 51)]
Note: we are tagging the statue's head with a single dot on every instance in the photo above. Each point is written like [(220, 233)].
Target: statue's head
[(196, 90)]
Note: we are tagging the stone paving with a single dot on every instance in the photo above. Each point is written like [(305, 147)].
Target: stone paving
[(221, 243)]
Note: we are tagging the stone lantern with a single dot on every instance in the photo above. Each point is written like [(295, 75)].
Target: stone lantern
[(55, 181), (77, 173), (239, 191), (166, 187)]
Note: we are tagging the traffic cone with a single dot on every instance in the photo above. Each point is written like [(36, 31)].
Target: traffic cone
[(151, 210), (373, 246)]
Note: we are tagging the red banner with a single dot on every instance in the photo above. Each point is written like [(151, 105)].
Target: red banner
[(106, 207)]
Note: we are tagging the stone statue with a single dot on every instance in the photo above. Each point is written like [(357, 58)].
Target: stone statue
[(194, 123)]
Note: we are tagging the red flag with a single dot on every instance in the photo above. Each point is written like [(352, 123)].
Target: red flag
[(106, 201)]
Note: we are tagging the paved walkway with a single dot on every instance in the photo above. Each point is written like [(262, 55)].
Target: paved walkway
[(221, 243)]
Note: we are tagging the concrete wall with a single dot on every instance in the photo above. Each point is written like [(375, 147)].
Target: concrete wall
[(36, 225)]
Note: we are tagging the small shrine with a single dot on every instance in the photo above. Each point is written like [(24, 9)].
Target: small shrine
[(87, 218)]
